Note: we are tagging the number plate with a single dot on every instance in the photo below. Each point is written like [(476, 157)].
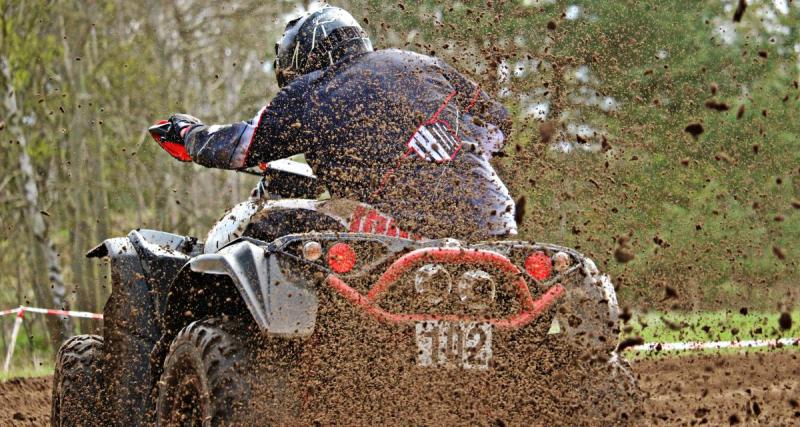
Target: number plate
[(466, 345)]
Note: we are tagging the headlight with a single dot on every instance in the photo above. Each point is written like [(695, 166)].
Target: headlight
[(561, 261), (433, 283), (312, 250), (476, 289)]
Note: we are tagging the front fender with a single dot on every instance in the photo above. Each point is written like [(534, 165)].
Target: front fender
[(601, 281), (280, 307)]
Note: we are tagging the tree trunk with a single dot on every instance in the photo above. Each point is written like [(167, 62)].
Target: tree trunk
[(99, 193), (45, 257)]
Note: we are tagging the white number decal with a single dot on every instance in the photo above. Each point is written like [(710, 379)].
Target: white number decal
[(454, 344)]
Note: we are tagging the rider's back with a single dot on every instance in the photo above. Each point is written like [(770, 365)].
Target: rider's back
[(394, 128)]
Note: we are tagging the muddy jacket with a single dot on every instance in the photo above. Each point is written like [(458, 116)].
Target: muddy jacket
[(402, 131)]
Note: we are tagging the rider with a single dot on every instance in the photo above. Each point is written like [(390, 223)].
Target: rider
[(401, 131)]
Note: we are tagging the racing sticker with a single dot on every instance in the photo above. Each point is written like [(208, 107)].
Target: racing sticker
[(435, 142), (368, 220), (466, 345)]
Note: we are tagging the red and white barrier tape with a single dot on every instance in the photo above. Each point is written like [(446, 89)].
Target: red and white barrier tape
[(715, 345), (20, 313), (66, 313), (9, 311)]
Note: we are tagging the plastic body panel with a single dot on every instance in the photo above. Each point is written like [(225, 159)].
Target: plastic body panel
[(143, 264), (279, 306)]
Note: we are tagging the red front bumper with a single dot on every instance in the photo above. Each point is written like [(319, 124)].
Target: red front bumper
[(530, 307)]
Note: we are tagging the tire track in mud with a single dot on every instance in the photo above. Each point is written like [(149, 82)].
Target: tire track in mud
[(756, 388)]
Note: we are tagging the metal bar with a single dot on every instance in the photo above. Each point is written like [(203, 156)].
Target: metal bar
[(713, 345), (68, 313), (13, 342)]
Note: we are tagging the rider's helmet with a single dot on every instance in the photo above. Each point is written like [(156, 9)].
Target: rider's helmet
[(317, 39)]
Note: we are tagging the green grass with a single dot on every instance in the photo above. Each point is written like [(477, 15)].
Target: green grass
[(708, 326), (27, 372)]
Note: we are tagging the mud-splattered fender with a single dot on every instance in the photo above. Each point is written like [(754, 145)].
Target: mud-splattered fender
[(602, 281), (143, 265), (280, 307)]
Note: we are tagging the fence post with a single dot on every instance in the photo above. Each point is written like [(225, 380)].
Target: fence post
[(13, 342)]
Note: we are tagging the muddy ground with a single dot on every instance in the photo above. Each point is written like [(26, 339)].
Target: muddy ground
[(758, 388), (25, 401)]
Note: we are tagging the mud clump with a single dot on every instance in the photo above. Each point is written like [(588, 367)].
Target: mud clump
[(519, 210), (629, 342), (624, 252), (694, 129), (717, 106), (785, 321), (740, 8), (546, 132)]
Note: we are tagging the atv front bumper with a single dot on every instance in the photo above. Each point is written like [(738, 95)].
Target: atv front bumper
[(280, 281), (382, 343)]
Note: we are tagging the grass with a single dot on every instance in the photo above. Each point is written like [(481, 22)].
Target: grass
[(27, 372), (32, 354), (708, 326)]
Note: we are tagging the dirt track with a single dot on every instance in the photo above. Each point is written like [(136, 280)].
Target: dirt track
[(761, 388), (25, 402), (757, 388)]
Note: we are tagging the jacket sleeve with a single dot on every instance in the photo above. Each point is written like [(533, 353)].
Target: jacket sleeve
[(222, 146), (475, 101), (272, 134)]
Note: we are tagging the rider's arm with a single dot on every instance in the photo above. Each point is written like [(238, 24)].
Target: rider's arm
[(221, 146), (274, 133)]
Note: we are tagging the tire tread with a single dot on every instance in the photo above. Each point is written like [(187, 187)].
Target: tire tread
[(77, 382), (216, 342)]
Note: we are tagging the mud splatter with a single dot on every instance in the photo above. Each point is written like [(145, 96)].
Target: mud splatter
[(740, 8), (717, 105), (694, 129)]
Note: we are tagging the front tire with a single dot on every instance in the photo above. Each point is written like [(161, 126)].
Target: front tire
[(77, 383), (205, 380)]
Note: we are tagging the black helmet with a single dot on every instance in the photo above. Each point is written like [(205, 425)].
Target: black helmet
[(315, 40)]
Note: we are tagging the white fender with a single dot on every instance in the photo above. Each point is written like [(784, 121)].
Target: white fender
[(231, 226)]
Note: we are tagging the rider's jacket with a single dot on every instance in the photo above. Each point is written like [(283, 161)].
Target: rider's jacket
[(404, 132)]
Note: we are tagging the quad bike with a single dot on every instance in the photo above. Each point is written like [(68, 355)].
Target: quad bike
[(297, 311)]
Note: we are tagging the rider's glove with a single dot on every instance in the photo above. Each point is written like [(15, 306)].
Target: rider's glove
[(181, 125), (170, 134)]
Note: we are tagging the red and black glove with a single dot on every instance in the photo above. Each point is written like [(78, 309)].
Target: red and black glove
[(170, 133)]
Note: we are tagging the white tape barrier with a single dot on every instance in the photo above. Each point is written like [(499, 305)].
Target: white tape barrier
[(66, 313), (20, 312), (714, 345)]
